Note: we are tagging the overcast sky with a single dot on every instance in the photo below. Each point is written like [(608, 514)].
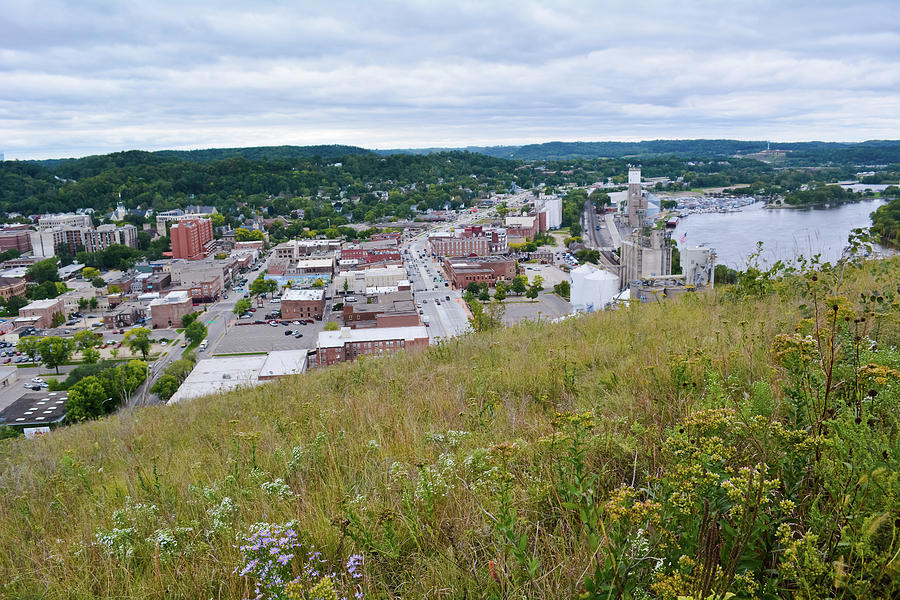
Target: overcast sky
[(90, 76)]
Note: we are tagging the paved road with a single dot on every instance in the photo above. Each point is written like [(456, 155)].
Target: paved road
[(449, 318)]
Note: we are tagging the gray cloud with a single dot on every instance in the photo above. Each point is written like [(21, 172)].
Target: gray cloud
[(81, 77)]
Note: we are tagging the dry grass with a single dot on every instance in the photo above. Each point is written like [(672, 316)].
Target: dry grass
[(59, 491)]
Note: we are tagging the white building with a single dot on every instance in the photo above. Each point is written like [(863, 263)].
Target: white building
[(698, 263), (592, 288), (65, 220), (219, 375), (552, 207), (358, 281)]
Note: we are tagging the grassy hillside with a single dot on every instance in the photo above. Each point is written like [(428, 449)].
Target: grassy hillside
[(743, 443)]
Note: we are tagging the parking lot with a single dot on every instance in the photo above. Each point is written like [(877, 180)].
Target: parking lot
[(263, 338), (547, 306)]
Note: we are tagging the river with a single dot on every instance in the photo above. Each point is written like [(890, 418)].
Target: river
[(785, 233)]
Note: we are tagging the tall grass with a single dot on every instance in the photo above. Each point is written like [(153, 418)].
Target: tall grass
[(365, 451)]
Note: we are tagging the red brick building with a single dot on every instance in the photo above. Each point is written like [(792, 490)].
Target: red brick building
[(15, 240), (191, 238), (347, 344), (168, 310), (43, 311), (462, 271), (395, 309), (303, 304)]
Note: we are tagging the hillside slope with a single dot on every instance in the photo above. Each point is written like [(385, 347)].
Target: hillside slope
[(684, 448)]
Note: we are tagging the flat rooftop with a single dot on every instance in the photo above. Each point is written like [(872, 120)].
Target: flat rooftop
[(307, 295), (337, 339), (223, 374), (36, 408)]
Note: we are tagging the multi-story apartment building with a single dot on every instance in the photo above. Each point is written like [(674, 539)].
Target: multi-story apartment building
[(104, 236), (65, 220), (191, 238), (191, 212)]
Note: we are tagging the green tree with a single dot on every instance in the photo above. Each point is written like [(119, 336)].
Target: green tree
[(532, 292), (346, 286), (55, 351), (87, 399), (331, 326), (485, 319), (500, 289), (189, 318), (89, 273), (165, 387), (484, 295), (83, 304), (318, 283), (98, 282), (85, 339), (242, 306), (138, 340), (519, 284), (14, 304), (195, 332), (474, 288), (58, 319), (28, 346), (42, 271), (538, 282), (93, 303), (90, 355), (562, 289)]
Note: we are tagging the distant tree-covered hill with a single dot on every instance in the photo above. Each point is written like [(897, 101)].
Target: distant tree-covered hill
[(92, 165), (880, 152)]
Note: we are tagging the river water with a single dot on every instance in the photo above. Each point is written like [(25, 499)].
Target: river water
[(785, 233)]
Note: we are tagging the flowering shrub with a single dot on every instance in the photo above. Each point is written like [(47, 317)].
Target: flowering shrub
[(284, 568)]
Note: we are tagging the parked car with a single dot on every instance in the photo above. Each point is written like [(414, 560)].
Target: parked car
[(298, 335), (289, 332), (296, 323), (273, 323), (37, 380)]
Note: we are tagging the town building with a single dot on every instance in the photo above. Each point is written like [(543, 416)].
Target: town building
[(474, 240), (390, 309), (522, 227), (549, 207), (303, 304), (125, 315), (220, 375), (104, 236), (383, 236), (41, 312), (358, 281), (347, 344), (645, 256), (44, 242), (168, 310), (293, 250), (312, 266), (463, 271), (636, 203), (163, 219), (11, 286), (204, 279), (35, 409), (15, 239), (191, 238), (65, 220)]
